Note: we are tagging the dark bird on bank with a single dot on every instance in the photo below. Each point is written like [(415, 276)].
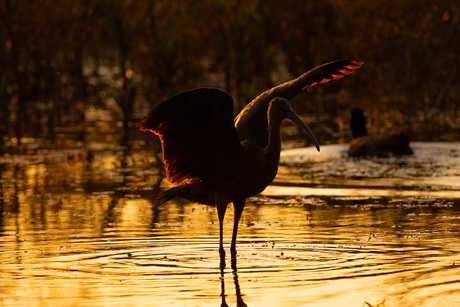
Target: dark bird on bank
[(215, 160), (381, 145)]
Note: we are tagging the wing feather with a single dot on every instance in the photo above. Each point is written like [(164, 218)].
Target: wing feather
[(318, 75), (197, 135)]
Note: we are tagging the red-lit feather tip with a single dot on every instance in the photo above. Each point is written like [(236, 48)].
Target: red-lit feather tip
[(143, 126), (342, 72), (146, 126), (338, 76), (357, 63), (354, 65)]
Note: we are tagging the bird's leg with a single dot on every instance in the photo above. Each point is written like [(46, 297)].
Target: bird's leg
[(221, 206), (238, 207)]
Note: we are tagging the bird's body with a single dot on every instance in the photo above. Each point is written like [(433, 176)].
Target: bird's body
[(382, 145), (215, 161), (256, 167)]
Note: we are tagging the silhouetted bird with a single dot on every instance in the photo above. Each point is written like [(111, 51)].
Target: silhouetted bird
[(214, 160), (375, 145)]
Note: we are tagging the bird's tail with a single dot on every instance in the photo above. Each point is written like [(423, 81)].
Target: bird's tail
[(169, 194)]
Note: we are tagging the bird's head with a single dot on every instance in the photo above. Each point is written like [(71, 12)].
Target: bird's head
[(280, 109)]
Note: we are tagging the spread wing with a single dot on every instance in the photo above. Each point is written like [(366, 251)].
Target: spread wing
[(197, 135), (321, 74), (330, 71)]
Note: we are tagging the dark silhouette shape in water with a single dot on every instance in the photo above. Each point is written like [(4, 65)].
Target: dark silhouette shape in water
[(382, 145), (214, 160), (239, 297)]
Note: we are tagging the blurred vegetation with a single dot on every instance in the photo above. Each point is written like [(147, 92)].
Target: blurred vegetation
[(61, 59)]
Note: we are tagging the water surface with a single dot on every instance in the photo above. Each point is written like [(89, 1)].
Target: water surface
[(330, 231)]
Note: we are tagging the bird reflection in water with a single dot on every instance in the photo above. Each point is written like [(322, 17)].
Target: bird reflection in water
[(239, 297), (215, 160)]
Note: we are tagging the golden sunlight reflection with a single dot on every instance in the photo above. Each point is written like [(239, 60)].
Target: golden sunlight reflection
[(78, 233), (284, 190), (98, 249)]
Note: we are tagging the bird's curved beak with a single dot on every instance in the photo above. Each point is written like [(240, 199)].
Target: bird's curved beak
[(292, 116)]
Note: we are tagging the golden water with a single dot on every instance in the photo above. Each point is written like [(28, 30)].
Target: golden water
[(87, 235)]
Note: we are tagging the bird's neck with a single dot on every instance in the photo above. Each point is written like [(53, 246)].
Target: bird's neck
[(273, 148)]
